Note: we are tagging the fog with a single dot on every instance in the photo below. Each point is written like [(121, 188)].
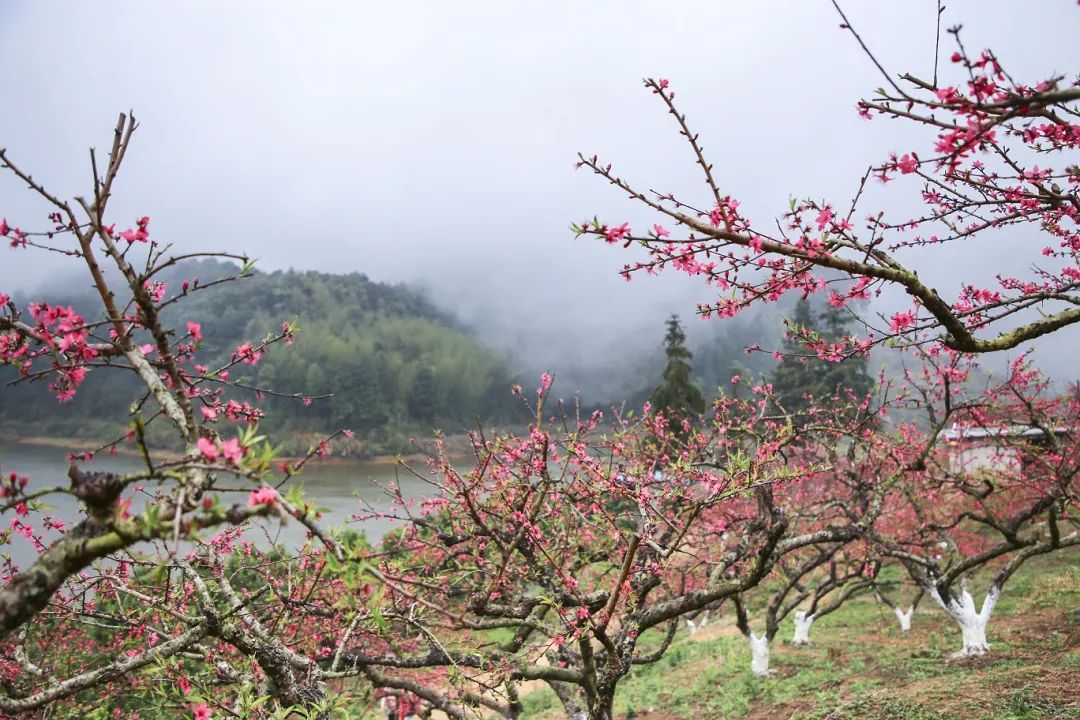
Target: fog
[(433, 143)]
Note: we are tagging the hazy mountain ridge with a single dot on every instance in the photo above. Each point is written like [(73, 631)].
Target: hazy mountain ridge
[(393, 362)]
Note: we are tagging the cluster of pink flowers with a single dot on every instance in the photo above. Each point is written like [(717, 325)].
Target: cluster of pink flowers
[(59, 332), (263, 496), (18, 237), (231, 451), (12, 485), (617, 233), (141, 233), (247, 353), (902, 321), (233, 410)]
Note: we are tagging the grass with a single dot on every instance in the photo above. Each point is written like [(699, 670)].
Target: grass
[(860, 667)]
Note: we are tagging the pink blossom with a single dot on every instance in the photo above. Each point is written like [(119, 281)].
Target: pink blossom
[(200, 712), (902, 321), (718, 215), (156, 290), (132, 236), (232, 450), (661, 231), (824, 218), (246, 353), (19, 240), (1036, 175), (947, 94), (617, 234), (140, 235), (907, 164), (207, 448), (263, 496), (195, 330), (545, 383)]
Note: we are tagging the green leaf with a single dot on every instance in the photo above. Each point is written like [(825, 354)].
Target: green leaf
[(377, 616)]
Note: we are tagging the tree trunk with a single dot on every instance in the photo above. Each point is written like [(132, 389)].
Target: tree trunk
[(904, 617), (759, 654), (603, 708), (567, 695), (972, 622), (802, 628), (701, 622), (973, 631)]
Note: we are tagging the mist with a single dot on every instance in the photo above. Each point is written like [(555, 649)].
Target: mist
[(434, 143)]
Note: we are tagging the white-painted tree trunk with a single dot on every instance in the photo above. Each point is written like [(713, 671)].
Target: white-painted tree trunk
[(695, 626), (974, 634), (802, 628), (904, 617), (972, 622), (759, 654)]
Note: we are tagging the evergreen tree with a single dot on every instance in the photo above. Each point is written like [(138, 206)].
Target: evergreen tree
[(798, 375), (677, 396)]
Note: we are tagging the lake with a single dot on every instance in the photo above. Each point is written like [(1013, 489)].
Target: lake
[(341, 489)]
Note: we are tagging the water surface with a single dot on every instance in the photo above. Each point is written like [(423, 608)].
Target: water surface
[(342, 489)]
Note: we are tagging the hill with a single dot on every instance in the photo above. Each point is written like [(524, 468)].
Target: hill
[(393, 362)]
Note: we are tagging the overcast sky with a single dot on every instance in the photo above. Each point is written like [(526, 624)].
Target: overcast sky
[(433, 142)]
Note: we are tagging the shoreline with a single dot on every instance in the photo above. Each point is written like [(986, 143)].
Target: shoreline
[(69, 444)]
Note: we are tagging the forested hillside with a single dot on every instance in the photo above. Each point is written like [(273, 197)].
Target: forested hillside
[(394, 363)]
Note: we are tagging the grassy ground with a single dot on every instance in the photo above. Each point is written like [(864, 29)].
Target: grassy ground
[(860, 667)]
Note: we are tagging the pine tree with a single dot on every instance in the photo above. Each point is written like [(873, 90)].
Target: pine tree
[(851, 373), (799, 375), (677, 396)]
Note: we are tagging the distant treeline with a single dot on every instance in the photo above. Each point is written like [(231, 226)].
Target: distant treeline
[(394, 363)]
